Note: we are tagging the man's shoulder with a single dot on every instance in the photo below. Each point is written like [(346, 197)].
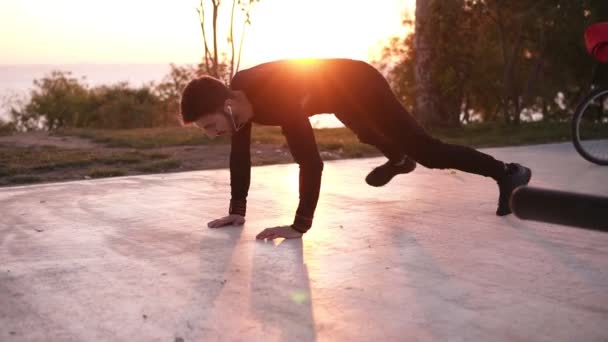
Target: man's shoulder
[(256, 75), (268, 66), (243, 77), (238, 80)]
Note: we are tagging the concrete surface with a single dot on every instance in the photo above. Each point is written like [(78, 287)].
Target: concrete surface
[(422, 259)]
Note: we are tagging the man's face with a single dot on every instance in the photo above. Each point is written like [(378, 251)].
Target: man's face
[(214, 125)]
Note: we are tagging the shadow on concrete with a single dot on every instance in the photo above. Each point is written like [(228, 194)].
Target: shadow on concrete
[(566, 245), (205, 314), (280, 297)]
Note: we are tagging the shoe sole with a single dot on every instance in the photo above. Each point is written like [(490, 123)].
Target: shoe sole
[(377, 185), (509, 211)]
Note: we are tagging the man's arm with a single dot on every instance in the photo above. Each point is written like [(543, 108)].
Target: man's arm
[(301, 141), (240, 170)]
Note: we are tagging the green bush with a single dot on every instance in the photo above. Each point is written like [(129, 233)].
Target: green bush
[(119, 106), (57, 100), (7, 128), (60, 101)]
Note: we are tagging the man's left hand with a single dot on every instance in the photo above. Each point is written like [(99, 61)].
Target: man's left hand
[(279, 232)]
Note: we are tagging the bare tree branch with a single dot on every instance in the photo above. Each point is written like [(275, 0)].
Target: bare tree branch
[(216, 5), (217, 62), (238, 63), (231, 39), (201, 14)]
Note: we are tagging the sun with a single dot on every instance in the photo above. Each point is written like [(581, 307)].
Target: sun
[(321, 28)]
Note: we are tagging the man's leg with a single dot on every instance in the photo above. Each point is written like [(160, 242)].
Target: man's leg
[(398, 162), (435, 154), (397, 124)]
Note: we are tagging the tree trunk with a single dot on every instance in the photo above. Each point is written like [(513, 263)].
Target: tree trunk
[(512, 93), (232, 39), (529, 96), (207, 57), (449, 109), (466, 118), (216, 5), (217, 61), (426, 106)]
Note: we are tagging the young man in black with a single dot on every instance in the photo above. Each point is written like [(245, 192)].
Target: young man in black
[(285, 93)]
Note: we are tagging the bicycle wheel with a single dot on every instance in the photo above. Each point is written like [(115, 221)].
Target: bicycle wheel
[(590, 127)]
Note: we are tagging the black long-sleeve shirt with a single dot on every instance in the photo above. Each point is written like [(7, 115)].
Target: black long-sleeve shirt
[(285, 93)]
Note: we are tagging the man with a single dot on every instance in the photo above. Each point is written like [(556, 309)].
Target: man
[(285, 93)]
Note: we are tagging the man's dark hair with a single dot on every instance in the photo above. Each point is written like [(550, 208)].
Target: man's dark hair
[(202, 96)]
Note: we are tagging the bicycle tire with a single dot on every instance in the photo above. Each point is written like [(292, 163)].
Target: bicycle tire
[(576, 120)]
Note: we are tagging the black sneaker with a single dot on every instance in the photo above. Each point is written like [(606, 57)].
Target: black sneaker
[(517, 175), (384, 173)]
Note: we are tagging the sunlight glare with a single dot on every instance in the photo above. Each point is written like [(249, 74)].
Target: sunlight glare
[(322, 29), (163, 31)]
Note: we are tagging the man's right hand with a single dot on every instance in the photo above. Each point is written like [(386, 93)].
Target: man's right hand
[(230, 220)]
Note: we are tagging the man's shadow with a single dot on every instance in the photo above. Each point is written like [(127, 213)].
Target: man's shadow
[(280, 298), (216, 254)]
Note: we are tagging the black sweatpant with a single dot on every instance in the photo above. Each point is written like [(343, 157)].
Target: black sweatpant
[(379, 119)]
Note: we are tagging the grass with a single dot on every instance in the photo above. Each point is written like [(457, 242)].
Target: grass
[(158, 155), (333, 139), (159, 166), (22, 160), (20, 165), (5, 172), (123, 158), (494, 135), (6, 128), (106, 172), (479, 135), (23, 179), (143, 138), (15, 161), (339, 142)]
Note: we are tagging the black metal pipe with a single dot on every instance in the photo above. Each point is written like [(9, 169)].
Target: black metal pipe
[(561, 207)]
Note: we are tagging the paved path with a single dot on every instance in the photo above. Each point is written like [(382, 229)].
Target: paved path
[(424, 258)]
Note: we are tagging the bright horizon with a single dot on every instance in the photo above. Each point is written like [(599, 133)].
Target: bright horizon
[(164, 31)]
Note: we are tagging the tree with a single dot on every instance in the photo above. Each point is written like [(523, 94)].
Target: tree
[(59, 100), (496, 58), (542, 51), (452, 62), (425, 107), (427, 69), (169, 91), (216, 61)]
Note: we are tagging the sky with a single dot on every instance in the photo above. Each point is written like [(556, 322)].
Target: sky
[(164, 31)]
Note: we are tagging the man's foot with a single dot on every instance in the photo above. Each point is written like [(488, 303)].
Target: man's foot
[(517, 175), (385, 172)]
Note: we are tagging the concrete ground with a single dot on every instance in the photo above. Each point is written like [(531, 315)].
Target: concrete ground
[(424, 259)]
